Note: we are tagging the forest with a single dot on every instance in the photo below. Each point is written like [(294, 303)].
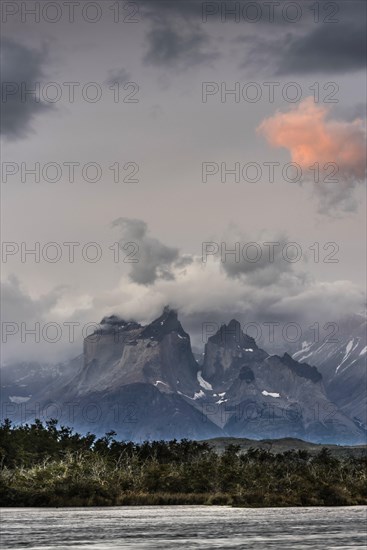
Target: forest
[(51, 465)]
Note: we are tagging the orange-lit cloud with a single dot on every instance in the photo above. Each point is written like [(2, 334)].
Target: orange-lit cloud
[(311, 137)]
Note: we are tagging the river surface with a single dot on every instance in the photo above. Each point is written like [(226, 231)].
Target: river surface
[(184, 527)]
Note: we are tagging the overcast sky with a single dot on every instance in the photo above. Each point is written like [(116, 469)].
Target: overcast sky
[(162, 69)]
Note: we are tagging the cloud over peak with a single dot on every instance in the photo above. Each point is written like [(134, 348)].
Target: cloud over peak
[(152, 259)]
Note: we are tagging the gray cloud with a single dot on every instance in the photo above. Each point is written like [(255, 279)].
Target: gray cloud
[(338, 48), (270, 261), (158, 10), (214, 292), (24, 322), (202, 293), (20, 315), (351, 112), (154, 259), (176, 38), (20, 66), (18, 306), (310, 47), (121, 76), (170, 47), (335, 43)]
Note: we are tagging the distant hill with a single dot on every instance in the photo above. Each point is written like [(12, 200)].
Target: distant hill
[(286, 444)]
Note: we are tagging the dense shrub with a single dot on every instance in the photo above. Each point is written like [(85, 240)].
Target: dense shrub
[(47, 465)]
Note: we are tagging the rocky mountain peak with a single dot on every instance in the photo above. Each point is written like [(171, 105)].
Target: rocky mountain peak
[(231, 336), (115, 324), (165, 324), (113, 320)]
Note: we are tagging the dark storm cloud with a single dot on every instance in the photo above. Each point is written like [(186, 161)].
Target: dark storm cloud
[(154, 260), (323, 48), (21, 66), (172, 48), (336, 48), (329, 41)]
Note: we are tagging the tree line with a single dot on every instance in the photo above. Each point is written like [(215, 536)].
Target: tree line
[(51, 465)]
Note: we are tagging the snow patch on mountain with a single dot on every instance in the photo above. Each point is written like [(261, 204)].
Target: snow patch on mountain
[(18, 399), (348, 349), (221, 401), (203, 383), (197, 395), (270, 394), (304, 349), (159, 382)]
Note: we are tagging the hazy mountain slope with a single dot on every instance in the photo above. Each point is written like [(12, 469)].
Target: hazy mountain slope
[(342, 363), (144, 383)]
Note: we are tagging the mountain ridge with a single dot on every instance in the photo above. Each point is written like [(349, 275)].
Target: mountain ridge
[(238, 391)]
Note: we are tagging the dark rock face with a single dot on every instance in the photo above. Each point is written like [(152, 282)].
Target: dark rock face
[(259, 395), (231, 336), (301, 369), (165, 324), (141, 412), (227, 351), (247, 374), (144, 383)]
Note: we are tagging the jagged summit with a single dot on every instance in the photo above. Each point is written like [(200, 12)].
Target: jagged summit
[(228, 353), (113, 323), (232, 336), (113, 320), (165, 324)]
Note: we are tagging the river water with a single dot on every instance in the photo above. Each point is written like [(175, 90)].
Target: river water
[(184, 527)]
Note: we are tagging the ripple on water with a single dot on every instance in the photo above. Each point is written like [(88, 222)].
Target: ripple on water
[(184, 527)]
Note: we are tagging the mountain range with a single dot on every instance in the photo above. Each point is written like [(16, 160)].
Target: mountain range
[(144, 382)]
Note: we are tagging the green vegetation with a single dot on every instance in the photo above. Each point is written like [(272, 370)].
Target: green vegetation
[(47, 465), (287, 444)]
